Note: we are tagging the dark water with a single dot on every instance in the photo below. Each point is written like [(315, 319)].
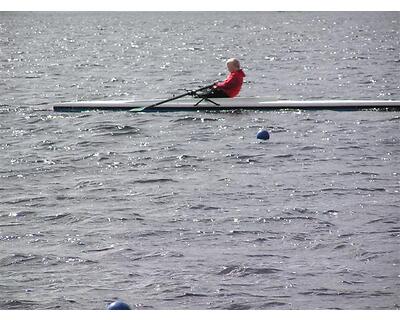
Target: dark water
[(188, 210)]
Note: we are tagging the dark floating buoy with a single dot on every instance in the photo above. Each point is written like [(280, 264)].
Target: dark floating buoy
[(263, 134), (118, 305)]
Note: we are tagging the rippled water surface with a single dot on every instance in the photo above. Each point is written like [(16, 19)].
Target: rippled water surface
[(188, 210)]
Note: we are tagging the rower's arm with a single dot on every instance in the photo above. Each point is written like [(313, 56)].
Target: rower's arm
[(229, 83)]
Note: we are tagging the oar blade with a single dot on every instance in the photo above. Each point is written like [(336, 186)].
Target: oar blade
[(138, 109)]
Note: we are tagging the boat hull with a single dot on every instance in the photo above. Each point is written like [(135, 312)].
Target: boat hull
[(228, 104)]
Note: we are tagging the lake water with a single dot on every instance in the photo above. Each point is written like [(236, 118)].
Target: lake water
[(189, 210)]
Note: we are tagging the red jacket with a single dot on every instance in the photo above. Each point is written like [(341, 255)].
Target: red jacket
[(233, 83)]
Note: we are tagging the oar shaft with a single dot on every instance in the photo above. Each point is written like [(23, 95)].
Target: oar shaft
[(180, 96), (168, 100)]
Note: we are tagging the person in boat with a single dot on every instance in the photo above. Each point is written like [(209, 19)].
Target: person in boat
[(230, 87)]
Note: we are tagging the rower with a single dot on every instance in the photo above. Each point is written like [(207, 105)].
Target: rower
[(231, 86)]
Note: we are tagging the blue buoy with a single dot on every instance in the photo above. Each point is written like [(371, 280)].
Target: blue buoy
[(263, 134), (118, 305)]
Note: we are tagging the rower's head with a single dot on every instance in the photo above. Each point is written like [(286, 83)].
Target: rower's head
[(233, 64)]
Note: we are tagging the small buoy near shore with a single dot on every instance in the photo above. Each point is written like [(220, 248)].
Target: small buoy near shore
[(118, 305), (263, 134)]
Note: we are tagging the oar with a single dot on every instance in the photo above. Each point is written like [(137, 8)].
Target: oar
[(192, 92)]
